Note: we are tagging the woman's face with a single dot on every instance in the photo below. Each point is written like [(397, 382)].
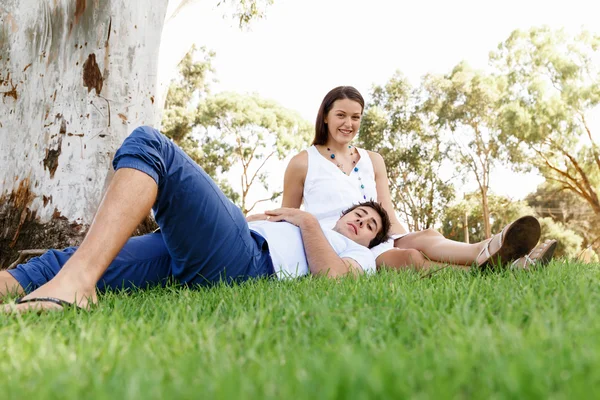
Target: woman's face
[(343, 120)]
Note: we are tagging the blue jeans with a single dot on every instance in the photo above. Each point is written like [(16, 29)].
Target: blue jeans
[(203, 239)]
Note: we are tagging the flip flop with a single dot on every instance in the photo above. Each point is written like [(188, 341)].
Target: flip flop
[(514, 241), (64, 304), (540, 256)]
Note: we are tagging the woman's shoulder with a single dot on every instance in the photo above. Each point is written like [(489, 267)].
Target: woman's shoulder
[(298, 164), (376, 159), (299, 160)]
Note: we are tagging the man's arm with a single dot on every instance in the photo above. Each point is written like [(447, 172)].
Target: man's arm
[(321, 258)]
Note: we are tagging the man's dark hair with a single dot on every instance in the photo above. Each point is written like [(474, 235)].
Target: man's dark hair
[(384, 232)]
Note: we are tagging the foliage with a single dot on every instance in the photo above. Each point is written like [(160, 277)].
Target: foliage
[(249, 130), (413, 151), (565, 207), (514, 334), (245, 11), (553, 85), (189, 87), (223, 131), (569, 242), (502, 211), (532, 111), (466, 102), (191, 84)]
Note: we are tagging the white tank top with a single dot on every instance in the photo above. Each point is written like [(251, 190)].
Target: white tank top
[(328, 191)]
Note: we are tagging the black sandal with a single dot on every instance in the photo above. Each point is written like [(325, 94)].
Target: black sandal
[(64, 304)]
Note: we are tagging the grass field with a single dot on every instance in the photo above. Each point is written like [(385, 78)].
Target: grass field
[(454, 335)]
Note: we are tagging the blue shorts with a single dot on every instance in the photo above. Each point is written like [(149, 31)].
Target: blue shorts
[(204, 238)]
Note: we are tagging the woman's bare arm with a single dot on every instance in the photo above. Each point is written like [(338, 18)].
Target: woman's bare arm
[(293, 180)]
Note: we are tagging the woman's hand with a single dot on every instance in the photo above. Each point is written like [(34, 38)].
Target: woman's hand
[(292, 215), (257, 217)]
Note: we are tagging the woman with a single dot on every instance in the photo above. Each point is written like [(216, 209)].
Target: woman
[(332, 174)]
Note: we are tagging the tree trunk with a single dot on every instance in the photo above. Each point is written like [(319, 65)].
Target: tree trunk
[(76, 76), (486, 214), (466, 227)]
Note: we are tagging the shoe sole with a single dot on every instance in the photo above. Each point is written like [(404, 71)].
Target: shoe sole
[(519, 239)]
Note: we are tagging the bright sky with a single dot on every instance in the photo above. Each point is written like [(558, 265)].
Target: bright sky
[(306, 47)]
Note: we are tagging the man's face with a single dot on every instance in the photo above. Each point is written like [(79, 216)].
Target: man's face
[(360, 225)]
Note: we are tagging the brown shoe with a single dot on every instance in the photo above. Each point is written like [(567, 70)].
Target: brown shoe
[(539, 256), (514, 241)]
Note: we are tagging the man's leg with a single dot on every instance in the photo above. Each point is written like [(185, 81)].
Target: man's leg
[(9, 285), (206, 235), (127, 201), (144, 261)]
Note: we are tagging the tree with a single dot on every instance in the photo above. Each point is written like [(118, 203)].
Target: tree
[(394, 126), (75, 78), (245, 11), (570, 210), (502, 211), (569, 242), (72, 89), (553, 86), (226, 130), (248, 130), (186, 90), (466, 102)]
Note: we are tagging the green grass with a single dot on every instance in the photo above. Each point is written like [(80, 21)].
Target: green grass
[(455, 335)]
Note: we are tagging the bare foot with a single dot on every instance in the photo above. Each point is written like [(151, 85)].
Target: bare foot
[(59, 292)]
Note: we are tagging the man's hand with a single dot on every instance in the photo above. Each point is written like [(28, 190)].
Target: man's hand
[(292, 215)]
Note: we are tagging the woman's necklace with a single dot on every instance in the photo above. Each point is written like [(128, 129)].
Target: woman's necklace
[(341, 165), (354, 169)]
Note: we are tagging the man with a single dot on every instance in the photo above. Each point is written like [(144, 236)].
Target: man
[(204, 238)]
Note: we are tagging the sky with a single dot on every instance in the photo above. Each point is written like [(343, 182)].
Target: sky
[(304, 48)]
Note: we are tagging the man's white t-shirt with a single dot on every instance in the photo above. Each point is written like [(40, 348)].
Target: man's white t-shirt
[(287, 249), (327, 192)]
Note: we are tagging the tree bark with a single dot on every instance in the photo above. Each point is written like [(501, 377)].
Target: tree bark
[(466, 227), (486, 214), (76, 76)]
